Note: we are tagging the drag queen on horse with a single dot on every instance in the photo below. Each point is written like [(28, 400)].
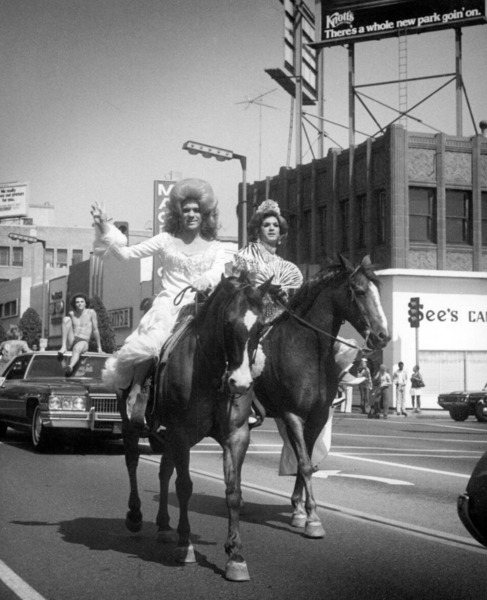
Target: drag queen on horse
[(190, 256)]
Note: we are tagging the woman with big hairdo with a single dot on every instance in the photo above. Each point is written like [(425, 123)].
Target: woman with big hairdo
[(190, 256)]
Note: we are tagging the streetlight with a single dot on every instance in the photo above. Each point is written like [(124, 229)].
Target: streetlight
[(29, 239), (222, 155)]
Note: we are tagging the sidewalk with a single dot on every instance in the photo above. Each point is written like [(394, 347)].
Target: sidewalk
[(430, 413)]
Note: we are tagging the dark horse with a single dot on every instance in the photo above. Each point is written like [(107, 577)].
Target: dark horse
[(200, 391), (295, 374)]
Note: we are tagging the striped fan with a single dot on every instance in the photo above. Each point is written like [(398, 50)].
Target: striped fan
[(284, 273)]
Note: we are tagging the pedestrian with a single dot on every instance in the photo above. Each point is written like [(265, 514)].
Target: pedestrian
[(400, 378), (12, 346), (192, 259), (383, 382), (365, 387), (416, 384), (77, 329)]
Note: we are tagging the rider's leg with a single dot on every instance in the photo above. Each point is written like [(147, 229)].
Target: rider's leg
[(137, 398)]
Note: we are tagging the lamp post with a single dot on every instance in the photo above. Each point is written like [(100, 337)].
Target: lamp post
[(223, 155), (29, 239)]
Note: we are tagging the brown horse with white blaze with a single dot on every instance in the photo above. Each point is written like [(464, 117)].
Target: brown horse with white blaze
[(295, 374)]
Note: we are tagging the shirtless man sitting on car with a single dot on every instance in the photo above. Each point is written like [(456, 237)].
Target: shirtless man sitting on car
[(78, 327)]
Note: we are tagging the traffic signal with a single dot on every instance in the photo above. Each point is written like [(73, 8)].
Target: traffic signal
[(124, 228), (414, 312)]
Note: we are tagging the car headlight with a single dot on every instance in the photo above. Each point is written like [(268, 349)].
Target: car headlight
[(58, 402)]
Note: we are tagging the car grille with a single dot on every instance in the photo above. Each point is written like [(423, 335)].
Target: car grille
[(105, 404)]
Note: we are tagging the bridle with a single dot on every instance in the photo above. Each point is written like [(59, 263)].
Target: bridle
[(221, 383), (336, 338)]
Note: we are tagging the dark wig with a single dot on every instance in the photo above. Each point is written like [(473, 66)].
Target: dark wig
[(268, 208)]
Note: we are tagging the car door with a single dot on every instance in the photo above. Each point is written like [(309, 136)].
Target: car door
[(13, 389)]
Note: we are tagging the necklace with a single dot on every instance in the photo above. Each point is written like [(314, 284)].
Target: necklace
[(268, 247)]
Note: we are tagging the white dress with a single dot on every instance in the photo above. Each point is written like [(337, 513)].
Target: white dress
[(179, 271)]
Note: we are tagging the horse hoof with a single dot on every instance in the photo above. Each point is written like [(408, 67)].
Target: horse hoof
[(185, 554), (299, 520), (132, 525), (167, 536), (314, 529), (236, 571)]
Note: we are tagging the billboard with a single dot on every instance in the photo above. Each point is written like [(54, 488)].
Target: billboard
[(349, 21), (13, 200)]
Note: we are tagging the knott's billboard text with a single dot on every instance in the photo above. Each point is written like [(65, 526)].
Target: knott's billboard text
[(346, 22)]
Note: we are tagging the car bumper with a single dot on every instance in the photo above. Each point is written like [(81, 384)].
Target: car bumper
[(80, 420)]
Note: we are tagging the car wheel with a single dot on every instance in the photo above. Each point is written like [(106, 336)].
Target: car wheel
[(479, 412), (3, 429), (459, 413), (39, 436)]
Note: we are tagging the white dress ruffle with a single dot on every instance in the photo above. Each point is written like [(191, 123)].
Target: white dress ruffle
[(179, 270)]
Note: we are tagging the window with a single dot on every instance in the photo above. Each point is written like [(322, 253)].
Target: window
[(484, 218), (49, 257), (306, 236), (458, 217), (9, 309), (380, 215), (422, 215), (362, 220), (4, 256), (345, 222), (62, 258), (77, 256), (322, 228), (18, 257)]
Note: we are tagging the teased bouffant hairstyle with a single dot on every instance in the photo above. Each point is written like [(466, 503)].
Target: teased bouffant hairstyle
[(268, 208), (201, 192), (80, 295)]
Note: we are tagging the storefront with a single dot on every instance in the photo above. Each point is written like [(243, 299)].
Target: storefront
[(450, 344)]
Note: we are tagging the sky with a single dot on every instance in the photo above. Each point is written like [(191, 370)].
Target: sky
[(98, 97)]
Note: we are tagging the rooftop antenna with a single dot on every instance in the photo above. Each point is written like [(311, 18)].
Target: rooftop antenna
[(257, 101)]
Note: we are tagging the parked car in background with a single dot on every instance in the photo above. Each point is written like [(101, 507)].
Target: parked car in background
[(462, 404), (37, 397)]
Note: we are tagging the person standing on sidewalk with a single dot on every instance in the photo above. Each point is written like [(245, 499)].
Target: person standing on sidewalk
[(365, 386), (400, 379), (416, 384), (384, 382)]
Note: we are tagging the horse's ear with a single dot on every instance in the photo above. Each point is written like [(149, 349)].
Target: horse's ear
[(346, 264), (366, 261), (264, 287)]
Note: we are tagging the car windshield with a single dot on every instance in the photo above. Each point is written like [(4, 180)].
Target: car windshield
[(49, 366)]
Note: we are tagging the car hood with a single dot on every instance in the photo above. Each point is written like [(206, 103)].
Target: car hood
[(69, 386), (466, 393)]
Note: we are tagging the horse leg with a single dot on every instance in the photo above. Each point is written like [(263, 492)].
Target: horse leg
[(131, 435), (313, 527), (184, 490), (234, 449), (165, 534)]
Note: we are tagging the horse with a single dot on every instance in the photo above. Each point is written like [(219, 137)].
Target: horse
[(295, 376), (199, 391)]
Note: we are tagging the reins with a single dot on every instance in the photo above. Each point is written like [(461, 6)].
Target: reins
[(309, 325)]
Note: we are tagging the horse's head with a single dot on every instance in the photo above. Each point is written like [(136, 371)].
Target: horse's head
[(364, 309), (239, 319)]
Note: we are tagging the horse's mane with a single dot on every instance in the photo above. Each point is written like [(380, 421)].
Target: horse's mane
[(329, 275), (238, 282)]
